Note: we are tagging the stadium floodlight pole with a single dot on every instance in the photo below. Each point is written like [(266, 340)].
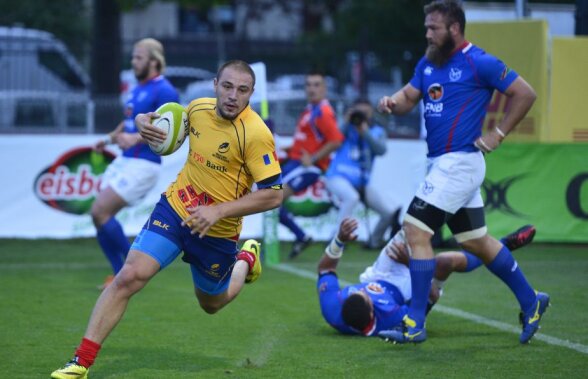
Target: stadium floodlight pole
[(270, 247), (520, 7)]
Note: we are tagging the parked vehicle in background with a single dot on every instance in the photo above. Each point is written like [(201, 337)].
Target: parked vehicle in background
[(43, 88), (181, 77)]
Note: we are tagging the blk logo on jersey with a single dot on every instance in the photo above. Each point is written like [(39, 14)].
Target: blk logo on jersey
[(195, 132), (496, 198)]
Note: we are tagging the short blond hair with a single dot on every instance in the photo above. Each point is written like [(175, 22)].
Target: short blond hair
[(155, 50)]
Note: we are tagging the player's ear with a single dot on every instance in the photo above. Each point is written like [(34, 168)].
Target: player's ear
[(454, 29)]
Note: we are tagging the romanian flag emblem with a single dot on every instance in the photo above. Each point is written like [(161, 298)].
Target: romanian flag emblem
[(270, 158)]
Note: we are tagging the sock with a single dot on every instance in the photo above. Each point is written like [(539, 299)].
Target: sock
[(287, 220), (421, 274), (87, 351), (473, 261), (506, 268), (248, 257), (114, 243)]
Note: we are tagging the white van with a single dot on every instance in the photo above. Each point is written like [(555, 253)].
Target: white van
[(42, 86)]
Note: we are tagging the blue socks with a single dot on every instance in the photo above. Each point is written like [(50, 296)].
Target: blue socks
[(507, 269), (114, 243), (287, 220), (473, 261), (421, 274)]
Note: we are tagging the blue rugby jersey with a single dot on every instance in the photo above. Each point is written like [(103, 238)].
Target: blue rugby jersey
[(389, 305), (146, 97), (456, 96)]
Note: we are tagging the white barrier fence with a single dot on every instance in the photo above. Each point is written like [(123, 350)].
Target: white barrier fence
[(27, 213)]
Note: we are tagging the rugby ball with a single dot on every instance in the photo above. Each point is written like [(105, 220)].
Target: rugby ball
[(174, 121)]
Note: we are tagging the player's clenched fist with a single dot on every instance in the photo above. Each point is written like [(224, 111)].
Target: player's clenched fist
[(386, 104)]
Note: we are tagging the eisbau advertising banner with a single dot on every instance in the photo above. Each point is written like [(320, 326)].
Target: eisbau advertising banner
[(49, 183)]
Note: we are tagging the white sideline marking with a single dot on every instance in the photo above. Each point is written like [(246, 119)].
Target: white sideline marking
[(454, 312)]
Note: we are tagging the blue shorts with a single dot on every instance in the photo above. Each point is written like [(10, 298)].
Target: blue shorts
[(211, 259), (299, 177)]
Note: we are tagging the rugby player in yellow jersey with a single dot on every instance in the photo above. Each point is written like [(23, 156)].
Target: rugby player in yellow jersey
[(201, 212)]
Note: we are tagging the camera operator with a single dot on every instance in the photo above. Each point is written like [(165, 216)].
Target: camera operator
[(348, 176)]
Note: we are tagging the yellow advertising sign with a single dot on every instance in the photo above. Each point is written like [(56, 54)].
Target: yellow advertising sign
[(522, 45), (569, 89)]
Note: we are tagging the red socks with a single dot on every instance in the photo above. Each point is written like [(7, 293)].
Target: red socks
[(248, 257), (87, 351)]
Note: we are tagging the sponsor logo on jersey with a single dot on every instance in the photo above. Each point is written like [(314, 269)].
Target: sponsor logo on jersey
[(216, 167), (375, 288), (435, 92), (428, 70), (195, 132), (70, 184), (454, 74), (223, 147), (220, 157)]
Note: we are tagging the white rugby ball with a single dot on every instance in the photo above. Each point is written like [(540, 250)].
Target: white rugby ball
[(173, 120)]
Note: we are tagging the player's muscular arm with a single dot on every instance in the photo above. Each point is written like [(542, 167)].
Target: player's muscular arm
[(202, 218), (401, 102), (347, 233), (522, 96)]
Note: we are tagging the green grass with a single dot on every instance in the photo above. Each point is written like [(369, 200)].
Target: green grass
[(274, 328)]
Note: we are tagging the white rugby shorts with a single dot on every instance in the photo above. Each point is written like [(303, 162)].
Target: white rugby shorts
[(453, 181), (131, 178), (388, 270)]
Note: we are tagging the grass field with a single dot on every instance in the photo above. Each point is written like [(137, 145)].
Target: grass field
[(275, 330)]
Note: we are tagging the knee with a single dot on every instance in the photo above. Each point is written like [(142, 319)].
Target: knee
[(210, 308), (128, 281), (99, 216), (415, 235)]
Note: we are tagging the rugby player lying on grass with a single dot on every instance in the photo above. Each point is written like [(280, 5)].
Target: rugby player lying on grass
[(380, 301)]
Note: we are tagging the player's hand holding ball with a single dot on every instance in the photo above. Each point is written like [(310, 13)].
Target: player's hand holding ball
[(165, 129)]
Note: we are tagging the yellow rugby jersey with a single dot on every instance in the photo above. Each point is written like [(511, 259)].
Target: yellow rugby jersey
[(226, 157)]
